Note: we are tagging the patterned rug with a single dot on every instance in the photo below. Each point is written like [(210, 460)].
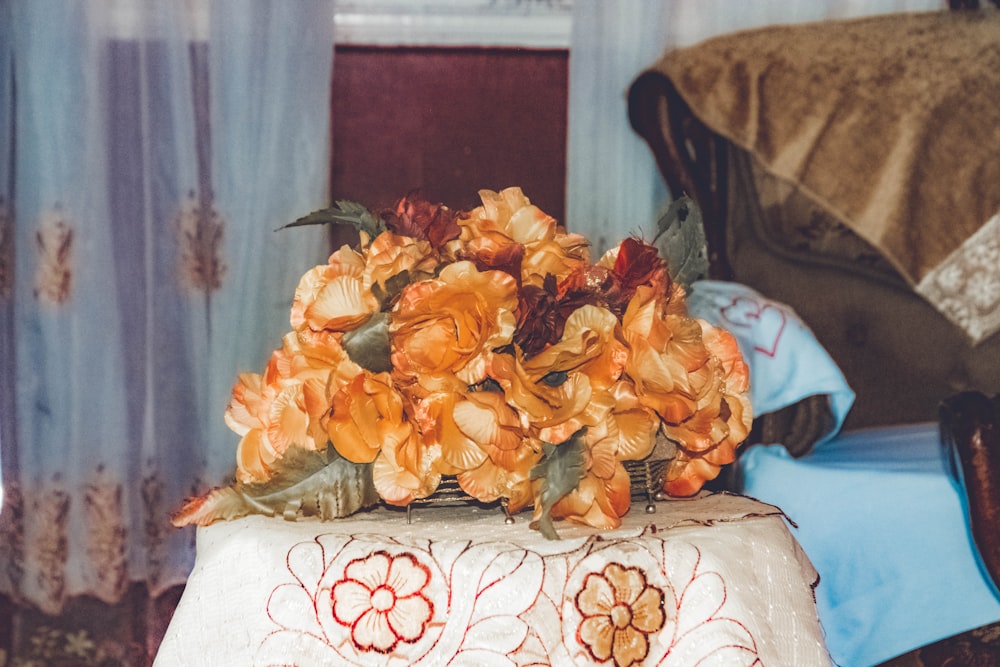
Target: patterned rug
[(88, 633)]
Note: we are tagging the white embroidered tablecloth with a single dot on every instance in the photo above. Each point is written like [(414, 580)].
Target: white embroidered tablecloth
[(717, 580)]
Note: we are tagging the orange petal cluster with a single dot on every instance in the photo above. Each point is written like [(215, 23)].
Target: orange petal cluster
[(612, 361)]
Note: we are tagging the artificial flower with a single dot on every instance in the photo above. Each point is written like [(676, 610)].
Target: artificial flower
[(417, 218), (595, 501), (667, 359), (460, 450), (509, 218), (406, 471), (485, 345), (334, 297), (452, 324), (390, 255), (632, 424), (367, 415), (725, 418)]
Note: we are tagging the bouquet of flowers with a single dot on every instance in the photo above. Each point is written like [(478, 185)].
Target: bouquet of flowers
[(484, 345)]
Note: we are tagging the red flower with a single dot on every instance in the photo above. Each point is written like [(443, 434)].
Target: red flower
[(594, 285), (507, 258), (639, 263), (381, 599), (539, 319), (418, 218)]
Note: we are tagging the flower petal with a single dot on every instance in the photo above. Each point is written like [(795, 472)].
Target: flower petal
[(597, 596), (407, 576), (629, 647), (597, 634), (373, 632), (408, 618), (647, 610), (351, 600), (627, 582)]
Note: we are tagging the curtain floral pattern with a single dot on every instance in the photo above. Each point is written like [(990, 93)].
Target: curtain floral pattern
[(148, 153)]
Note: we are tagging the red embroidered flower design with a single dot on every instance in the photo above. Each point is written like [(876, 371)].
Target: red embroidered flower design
[(381, 600), (620, 610)]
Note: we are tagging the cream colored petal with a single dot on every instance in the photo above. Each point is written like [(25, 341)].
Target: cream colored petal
[(253, 456), (636, 430), (371, 571), (529, 224), (407, 576), (351, 599), (342, 304), (409, 616)]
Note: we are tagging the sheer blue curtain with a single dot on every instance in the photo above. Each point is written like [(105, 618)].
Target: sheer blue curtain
[(148, 152), (613, 187)]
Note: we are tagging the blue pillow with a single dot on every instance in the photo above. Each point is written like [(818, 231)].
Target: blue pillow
[(787, 363)]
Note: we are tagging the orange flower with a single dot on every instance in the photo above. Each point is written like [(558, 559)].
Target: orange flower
[(668, 361), (480, 440), (333, 296), (269, 418), (632, 425), (603, 495), (490, 482), (620, 611), (566, 386), (686, 475), (451, 325), (596, 502), (435, 415), (287, 405), (367, 415), (486, 418), (248, 415), (508, 217), (709, 441), (694, 377), (406, 471), (390, 255)]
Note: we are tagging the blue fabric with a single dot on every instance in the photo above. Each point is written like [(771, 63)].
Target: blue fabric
[(880, 517), (786, 361)]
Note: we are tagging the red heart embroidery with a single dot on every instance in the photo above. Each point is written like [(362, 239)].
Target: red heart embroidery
[(767, 319)]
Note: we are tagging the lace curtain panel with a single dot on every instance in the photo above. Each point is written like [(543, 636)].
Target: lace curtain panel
[(148, 153)]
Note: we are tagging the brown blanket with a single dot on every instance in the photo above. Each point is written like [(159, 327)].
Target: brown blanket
[(892, 123)]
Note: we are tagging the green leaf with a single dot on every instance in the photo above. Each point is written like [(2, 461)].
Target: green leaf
[(680, 238), (306, 483), (394, 287), (343, 213), (368, 345), (560, 472)]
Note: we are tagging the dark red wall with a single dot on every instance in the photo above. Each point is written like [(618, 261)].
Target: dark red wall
[(449, 121)]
